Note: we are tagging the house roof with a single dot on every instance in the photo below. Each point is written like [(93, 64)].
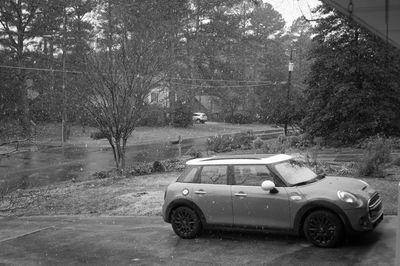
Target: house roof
[(382, 17)]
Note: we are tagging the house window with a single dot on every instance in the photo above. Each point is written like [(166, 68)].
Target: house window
[(154, 97)]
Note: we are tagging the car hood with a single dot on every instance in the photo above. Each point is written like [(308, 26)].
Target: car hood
[(328, 187), (343, 183)]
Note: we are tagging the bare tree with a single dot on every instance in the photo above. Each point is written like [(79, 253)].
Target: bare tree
[(121, 76)]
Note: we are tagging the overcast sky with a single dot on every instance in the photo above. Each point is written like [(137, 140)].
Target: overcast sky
[(292, 9)]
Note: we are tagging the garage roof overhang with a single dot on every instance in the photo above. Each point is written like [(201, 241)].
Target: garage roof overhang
[(382, 17)]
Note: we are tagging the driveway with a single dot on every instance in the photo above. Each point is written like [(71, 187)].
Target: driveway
[(72, 240)]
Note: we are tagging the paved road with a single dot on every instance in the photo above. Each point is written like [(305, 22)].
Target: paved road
[(149, 241)]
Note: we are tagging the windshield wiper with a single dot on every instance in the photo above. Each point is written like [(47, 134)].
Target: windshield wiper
[(318, 177), (305, 182)]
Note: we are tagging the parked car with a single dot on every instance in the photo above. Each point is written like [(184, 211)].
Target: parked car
[(199, 117), (269, 193)]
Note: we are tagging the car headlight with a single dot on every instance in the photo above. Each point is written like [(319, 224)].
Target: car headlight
[(349, 198)]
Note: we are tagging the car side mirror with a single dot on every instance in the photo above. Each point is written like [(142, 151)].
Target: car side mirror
[(268, 185)]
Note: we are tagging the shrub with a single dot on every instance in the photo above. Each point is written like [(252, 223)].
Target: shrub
[(377, 154), (99, 135), (243, 140), (195, 153), (238, 118), (275, 146), (182, 115), (258, 143), (226, 143), (102, 175), (158, 167), (220, 143), (153, 116)]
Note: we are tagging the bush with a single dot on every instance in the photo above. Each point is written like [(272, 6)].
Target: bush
[(153, 116), (195, 153), (239, 118), (182, 115), (226, 143), (220, 143), (158, 167), (99, 135), (258, 143), (275, 146), (377, 154), (243, 140)]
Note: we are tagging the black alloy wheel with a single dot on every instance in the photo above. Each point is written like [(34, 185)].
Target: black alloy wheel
[(185, 222), (323, 228)]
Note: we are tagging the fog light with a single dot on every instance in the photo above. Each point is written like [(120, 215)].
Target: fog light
[(364, 222)]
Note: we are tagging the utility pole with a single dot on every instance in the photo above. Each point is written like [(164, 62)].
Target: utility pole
[(63, 113), (288, 91)]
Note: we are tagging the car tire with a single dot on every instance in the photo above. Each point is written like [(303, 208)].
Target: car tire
[(185, 222), (198, 121), (323, 228)]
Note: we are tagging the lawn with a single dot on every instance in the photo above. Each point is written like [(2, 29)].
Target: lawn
[(51, 133)]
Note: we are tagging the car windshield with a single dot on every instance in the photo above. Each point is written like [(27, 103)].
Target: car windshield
[(295, 173)]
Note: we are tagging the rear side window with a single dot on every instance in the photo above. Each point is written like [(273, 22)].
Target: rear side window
[(214, 174), (189, 175), (251, 175)]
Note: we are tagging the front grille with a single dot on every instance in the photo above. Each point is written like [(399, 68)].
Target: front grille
[(374, 207)]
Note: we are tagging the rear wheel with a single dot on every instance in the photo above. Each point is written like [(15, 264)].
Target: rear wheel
[(323, 228), (185, 222)]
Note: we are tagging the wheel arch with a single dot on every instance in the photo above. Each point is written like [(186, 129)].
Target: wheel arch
[(319, 205), (184, 202)]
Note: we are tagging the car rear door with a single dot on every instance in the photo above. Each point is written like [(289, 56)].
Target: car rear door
[(213, 194), (252, 206)]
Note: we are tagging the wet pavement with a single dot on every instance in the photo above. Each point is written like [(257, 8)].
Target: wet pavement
[(74, 240)]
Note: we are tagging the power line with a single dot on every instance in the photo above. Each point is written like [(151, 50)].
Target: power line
[(259, 83), (221, 86), (42, 69), (223, 80)]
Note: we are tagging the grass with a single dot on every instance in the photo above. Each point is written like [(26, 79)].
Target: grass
[(51, 133)]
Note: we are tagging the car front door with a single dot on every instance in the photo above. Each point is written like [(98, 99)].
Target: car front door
[(213, 194), (252, 206)]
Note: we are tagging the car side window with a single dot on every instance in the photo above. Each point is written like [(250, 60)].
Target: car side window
[(189, 175), (251, 175), (214, 174)]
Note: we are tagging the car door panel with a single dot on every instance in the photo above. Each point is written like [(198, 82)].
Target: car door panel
[(215, 203), (212, 194), (253, 206)]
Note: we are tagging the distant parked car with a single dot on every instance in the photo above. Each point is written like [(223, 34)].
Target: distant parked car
[(199, 117), (269, 193)]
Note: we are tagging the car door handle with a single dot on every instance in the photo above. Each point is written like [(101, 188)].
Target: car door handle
[(200, 192), (240, 194)]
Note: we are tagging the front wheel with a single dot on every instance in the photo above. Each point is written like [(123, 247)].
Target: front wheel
[(323, 228), (185, 222)]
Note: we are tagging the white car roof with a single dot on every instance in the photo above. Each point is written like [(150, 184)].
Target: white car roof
[(241, 159)]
